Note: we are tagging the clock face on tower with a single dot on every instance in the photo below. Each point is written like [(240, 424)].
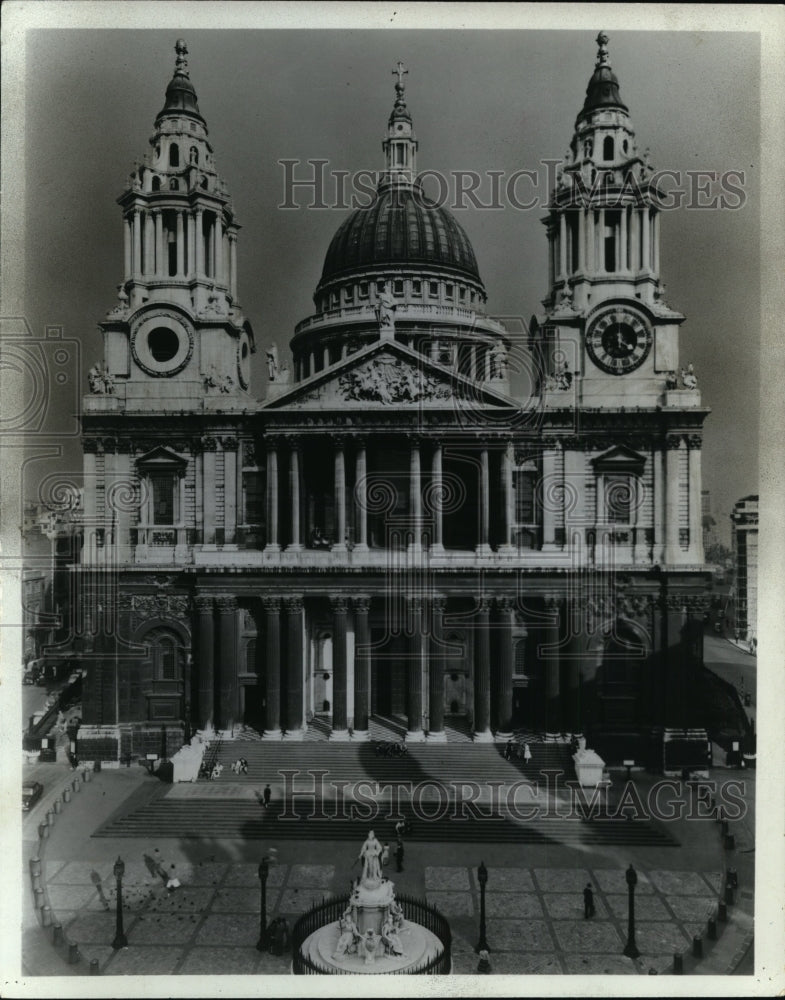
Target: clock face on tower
[(618, 341)]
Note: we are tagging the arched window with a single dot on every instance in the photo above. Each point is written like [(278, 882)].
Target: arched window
[(174, 155), (174, 184), (167, 659), (607, 148), (156, 183)]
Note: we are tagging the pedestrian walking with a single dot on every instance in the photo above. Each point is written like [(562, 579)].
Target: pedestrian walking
[(527, 754), (399, 855), (508, 749), (588, 902), (385, 855), (267, 795), (172, 882)]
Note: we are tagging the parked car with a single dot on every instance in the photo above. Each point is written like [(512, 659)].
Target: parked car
[(31, 793)]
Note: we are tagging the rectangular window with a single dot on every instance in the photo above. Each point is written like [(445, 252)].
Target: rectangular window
[(348, 294), (416, 288), (379, 287), (162, 486), (448, 291), (363, 289), (462, 294), (398, 287), (618, 499), (433, 289), (253, 496)]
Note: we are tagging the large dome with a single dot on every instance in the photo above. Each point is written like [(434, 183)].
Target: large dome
[(400, 228)]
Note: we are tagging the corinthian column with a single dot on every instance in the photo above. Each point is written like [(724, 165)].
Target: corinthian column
[(506, 609), (436, 732), (227, 679), (482, 672), (340, 607), (272, 669), (205, 630), (294, 668), (362, 644), (414, 680)]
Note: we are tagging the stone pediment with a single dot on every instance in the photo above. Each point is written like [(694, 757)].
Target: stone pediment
[(620, 459), (385, 374), (160, 458)]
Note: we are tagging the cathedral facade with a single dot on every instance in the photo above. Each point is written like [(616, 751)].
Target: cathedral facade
[(396, 530)]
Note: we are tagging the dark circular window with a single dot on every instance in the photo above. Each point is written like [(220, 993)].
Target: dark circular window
[(163, 343)]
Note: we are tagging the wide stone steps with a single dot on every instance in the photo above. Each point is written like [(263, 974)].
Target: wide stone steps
[(247, 820), (355, 762)]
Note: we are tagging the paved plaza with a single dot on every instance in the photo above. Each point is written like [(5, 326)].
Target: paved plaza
[(210, 925)]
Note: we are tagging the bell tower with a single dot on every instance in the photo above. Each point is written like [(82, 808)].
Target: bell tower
[(177, 338), (607, 333)]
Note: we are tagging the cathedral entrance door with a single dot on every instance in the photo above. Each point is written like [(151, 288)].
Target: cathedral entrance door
[(388, 675), (252, 706)]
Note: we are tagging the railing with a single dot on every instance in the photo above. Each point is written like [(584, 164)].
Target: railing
[(329, 911), (411, 310)]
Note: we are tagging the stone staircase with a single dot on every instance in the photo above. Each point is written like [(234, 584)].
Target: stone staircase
[(230, 807)]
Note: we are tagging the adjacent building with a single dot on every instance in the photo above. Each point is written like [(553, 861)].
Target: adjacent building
[(398, 529), (744, 528)]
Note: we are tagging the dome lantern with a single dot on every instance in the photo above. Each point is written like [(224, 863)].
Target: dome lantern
[(400, 144)]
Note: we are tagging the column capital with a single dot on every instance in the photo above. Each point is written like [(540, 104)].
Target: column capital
[(505, 604), (226, 604), (203, 604), (673, 441), (293, 603), (361, 605), (414, 604), (552, 602), (694, 441), (339, 604), (229, 443), (271, 604), (273, 441), (439, 604), (484, 605), (294, 441)]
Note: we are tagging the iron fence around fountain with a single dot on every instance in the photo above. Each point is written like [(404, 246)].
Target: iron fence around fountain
[(330, 910)]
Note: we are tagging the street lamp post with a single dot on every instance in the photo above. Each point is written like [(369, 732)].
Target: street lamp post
[(631, 949), (482, 878), (120, 940), (264, 871)]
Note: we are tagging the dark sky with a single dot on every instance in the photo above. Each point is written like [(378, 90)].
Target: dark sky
[(480, 100)]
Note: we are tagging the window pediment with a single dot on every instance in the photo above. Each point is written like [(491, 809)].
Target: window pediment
[(163, 460), (620, 460)]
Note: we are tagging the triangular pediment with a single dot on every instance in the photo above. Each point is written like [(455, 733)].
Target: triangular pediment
[(387, 374), (620, 459), (160, 458)]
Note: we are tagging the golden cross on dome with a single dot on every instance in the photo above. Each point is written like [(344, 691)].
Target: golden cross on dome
[(400, 72)]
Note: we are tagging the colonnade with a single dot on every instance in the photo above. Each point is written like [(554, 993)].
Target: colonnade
[(205, 248), (424, 455), (636, 234), (493, 625)]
